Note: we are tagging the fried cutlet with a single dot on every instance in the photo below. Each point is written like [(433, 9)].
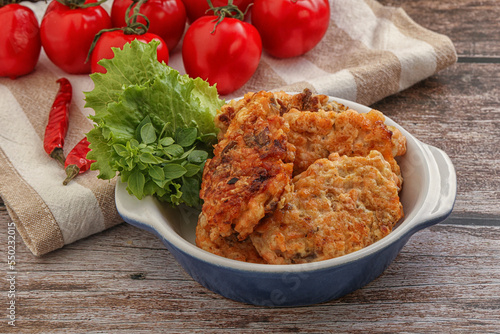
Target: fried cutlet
[(282, 102), (337, 206), (316, 135), (251, 168)]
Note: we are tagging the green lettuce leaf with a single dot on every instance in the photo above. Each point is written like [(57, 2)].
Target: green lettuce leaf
[(153, 126)]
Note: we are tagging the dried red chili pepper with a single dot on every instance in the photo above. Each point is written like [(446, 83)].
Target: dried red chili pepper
[(76, 161), (57, 125)]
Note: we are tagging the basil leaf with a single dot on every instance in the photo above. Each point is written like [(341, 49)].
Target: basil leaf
[(176, 193), (132, 144), (151, 188), (174, 171), (173, 150), (191, 170), (156, 173), (121, 150), (191, 191), (186, 137), (160, 183), (148, 158), (141, 165), (148, 149), (197, 156), (136, 182), (166, 141), (148, 134), (185, 154), (137, 131), (130, 163)]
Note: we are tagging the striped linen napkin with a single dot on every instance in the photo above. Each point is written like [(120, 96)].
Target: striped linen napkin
[(369, 52)]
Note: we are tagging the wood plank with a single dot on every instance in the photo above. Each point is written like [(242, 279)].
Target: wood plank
[(458, 110)]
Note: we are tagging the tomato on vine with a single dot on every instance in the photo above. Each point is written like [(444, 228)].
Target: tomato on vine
[(222, 49), (167, 18), (67, 30), (290, 28), (20, 43), (198, 8), (107, 39)]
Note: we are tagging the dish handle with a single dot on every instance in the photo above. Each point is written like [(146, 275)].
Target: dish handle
[(442, 190)]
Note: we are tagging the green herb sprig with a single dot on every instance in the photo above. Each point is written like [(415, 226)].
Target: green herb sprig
[(153, 126)]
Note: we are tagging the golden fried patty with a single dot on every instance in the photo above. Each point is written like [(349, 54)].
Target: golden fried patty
[(316, 135), (251, 168)]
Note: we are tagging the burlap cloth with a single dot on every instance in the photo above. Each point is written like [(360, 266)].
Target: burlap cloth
[(369, 52)]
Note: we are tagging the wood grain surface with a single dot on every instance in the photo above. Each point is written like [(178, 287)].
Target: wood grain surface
[(445, 280)]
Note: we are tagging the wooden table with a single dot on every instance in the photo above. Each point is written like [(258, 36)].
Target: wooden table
[(446, 279)]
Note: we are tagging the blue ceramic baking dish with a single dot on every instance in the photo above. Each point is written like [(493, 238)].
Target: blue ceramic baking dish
[(428, 196)]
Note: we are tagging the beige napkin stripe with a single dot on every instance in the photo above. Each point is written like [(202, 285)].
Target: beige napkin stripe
[(358, 59), (34, 221), (445, 51), (369, 79), (298, 87), (34, 94), (443, 47), (104, 192)]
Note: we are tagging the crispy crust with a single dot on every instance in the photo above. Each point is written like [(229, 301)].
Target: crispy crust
[(251, 168)]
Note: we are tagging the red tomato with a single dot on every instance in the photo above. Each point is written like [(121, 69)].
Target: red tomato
[(290, 28), (228, 57), (19, 41), (68, 33), (118, 39), (167, 18), (198, 8)]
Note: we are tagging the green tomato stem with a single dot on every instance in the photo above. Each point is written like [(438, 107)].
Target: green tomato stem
[(133, 27), (231, 10)]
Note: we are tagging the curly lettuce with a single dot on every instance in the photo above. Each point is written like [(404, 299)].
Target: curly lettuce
[(152, 126)]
